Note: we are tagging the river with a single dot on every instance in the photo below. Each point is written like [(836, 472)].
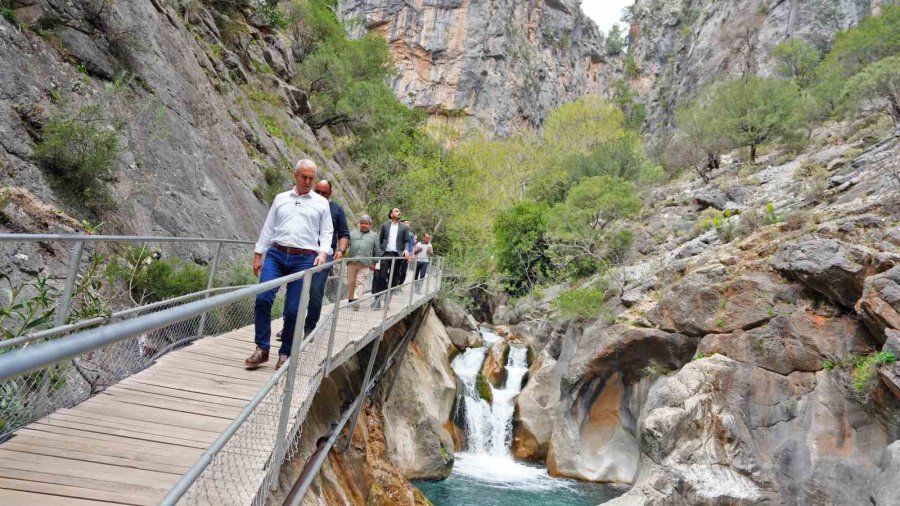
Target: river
[(485, 473)]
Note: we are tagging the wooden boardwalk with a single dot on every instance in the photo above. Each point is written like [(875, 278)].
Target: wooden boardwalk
[(132, 442)]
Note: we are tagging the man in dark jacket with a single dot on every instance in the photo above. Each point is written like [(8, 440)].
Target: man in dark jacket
[(392, 242), (340, 241)]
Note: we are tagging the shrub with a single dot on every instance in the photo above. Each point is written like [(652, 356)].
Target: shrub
[(583, 303), (615, 41), (797, 60), (81, 151), (865, 367), (519, 238)]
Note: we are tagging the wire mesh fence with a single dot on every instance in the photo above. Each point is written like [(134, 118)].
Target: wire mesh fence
[(240, 467)]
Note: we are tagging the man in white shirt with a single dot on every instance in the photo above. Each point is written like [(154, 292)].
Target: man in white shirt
[(295, 237), (421, 252)]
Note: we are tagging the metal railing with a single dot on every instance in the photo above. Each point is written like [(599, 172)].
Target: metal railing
[(242, 464)]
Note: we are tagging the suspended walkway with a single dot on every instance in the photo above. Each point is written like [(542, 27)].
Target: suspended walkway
[(152, 404)]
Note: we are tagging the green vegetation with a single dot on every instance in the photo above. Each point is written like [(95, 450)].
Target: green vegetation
[(615, 41), (865, 367), (81, 151), (584, 303), (484, 388), (520, 239), (877, 84), (277, 180), (797, 60)]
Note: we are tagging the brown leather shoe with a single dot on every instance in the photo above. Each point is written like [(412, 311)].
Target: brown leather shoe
[(259, 357), (281, 360)]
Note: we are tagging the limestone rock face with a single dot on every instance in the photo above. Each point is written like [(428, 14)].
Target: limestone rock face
[(603, 388), (464, 339), (829, 267), (536, 410), (506, 63), (880, 302), (698, 307), (420, 405), (723, 432), (681, 46)]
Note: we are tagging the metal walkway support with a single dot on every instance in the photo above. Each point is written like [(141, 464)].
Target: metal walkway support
[(152, 404)]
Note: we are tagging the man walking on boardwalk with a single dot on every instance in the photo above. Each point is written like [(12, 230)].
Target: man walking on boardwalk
[(422, 252), (296, 236), (340, 240), (363, 244), (410, 243), (392, 242)]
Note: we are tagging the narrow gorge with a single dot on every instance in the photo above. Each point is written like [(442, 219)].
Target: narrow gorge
[(672, 247)]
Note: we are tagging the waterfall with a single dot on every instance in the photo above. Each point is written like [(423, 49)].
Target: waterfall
[(489, 426)]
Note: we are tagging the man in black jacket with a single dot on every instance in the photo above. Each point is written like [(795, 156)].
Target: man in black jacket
[(392, 242), (340, 241)]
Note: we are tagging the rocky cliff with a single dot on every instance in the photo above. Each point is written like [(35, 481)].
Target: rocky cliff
[(682, 45), (505, 63), (747, 363), (197, 97)]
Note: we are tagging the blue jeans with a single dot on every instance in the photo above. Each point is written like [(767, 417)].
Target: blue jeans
[(316, 294), (280, 264)]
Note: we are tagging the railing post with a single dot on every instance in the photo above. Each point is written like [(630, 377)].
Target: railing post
[(209, 285), (412, 287), (62, 311), (390, 287), (334, 316), (362, 394), (432, 268), (278, 454)]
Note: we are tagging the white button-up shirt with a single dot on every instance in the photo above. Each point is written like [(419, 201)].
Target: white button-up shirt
[(392, 238), (297, 221)]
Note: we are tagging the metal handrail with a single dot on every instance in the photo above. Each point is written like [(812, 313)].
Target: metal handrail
[(111, 238)]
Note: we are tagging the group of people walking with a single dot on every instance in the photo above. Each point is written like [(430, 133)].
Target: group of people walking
[(304, 229)]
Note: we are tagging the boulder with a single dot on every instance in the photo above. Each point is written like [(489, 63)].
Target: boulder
[(494, 368), (831, 268), (451, 313), (603, 387), (697, 308), (797, 342), (890, 373), (464, 339), (420, 405), (536, 410), (723, 432), (879, 304)]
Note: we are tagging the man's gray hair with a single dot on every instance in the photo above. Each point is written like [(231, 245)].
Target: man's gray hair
[(365, 219), (306, 162)]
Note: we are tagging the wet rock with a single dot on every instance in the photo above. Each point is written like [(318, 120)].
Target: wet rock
[(420, 404), (879, 304), (536, 410), (832, 268), (464, 339), (494, 368)]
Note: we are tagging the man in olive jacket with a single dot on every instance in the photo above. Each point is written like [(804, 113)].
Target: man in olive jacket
[(363, 245)]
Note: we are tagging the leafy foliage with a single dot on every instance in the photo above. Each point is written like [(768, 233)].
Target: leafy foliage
[(863, 373), (615, 41), (81, 151), (519, 236), (583, 303), (878, 83), (797, 60)]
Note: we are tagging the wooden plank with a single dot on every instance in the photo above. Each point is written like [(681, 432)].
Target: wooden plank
[(138, 399), (156, 415), (181, 376), (54, 490), (180, 394), (193, 388), (202, 383), (114, 422), (77, 455), (119, 390), (134, 452), (82, 469), (229, 369), (51, 432), (18, 498), (99, 483), (82, 429)]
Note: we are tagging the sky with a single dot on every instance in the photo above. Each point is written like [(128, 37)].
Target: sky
[(605, 12)]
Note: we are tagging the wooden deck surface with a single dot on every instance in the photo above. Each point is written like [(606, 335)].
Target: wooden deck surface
[(132, 442)]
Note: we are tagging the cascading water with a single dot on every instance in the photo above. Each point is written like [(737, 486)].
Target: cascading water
[(485, 473)]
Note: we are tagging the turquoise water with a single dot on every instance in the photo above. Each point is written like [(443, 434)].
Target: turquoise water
[(485, 481)]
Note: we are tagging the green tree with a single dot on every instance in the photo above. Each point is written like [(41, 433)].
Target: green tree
[(878, 83), (875, 38), (520, 243), (697, 142), (620, 158), (585, 230), (797, 60), (615, 41)]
